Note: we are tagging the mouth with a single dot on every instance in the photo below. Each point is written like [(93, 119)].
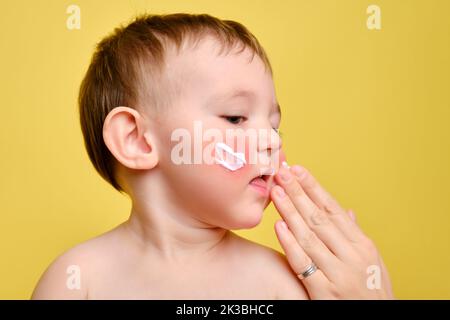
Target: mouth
[(261, 183)]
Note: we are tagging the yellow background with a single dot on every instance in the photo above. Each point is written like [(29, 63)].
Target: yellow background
[(366, 111)]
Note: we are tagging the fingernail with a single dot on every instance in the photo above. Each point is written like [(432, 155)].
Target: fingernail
[(284, 164), (298, 171), (283, 224), (280, 192), (352, 214), (285, 175)]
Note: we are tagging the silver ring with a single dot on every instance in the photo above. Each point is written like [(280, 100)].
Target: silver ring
[(309, 271)]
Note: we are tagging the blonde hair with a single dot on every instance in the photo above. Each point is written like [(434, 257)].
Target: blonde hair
[(128, 64)]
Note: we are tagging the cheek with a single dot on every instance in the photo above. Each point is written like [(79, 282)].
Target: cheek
[(246, 170), (236, 175), (225, 174)]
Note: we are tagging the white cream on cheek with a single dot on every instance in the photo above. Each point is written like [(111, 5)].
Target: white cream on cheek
[(226, 157)]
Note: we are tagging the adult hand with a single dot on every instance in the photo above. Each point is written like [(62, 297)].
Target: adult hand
[(316, 231)]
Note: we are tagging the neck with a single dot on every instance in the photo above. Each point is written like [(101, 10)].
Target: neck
[(173, 234)]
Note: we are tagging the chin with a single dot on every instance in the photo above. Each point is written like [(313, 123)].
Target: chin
[(247, 219)]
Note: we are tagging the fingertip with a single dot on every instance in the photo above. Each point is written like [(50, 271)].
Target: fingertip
[(281, 225), (277, 226), (272, 189), (351, 214), (299, 171)]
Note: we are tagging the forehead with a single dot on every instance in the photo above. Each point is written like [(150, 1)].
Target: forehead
[(203, 72)]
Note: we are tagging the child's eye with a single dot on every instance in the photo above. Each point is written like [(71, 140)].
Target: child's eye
[(234, 119)]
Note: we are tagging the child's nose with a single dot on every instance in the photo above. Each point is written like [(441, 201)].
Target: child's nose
[(269, 140), (269, 147)]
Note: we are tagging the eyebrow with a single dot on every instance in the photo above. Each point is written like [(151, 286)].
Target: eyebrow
[(244, 94)]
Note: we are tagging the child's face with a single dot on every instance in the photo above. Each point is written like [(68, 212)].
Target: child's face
[(214, 92)]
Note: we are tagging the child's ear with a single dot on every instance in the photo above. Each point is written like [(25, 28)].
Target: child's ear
[(125, 136)]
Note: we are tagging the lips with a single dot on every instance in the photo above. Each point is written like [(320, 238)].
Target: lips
[(261, 184)]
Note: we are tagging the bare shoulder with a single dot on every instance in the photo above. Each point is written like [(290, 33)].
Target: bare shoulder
[(273, 267), (67, 277)]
